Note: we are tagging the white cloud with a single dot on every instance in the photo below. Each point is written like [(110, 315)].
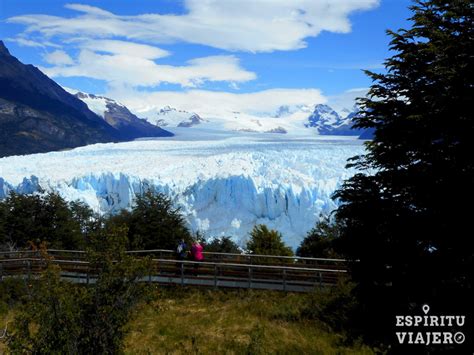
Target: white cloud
[(125, 69), (25, 42), (245, 25), (124, 48), (58, 57), (88, 9), (212, 103)]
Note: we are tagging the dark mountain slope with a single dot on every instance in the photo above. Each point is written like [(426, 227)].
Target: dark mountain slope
[(37, 115)]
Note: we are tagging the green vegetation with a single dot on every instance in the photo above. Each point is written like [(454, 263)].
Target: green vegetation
[(191, 320), (321, 241), (402, 215), (222, 245), (57, 317), (153, 222), (46, 217), (267, 241)]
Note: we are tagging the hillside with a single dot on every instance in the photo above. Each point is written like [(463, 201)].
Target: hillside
[(37, 115)]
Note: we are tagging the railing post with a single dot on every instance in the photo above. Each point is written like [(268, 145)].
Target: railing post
[(250, 277), (284, 279), (1, 271), (28, 267), (215, 275), (182, 274), (320, 275)]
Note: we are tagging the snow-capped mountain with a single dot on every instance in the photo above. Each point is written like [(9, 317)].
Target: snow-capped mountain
[(119, 116), (171, 117), (224, 183), (294, 120), (328, 122), (300, 111)]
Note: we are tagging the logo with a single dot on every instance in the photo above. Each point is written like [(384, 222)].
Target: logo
[(430, 329)]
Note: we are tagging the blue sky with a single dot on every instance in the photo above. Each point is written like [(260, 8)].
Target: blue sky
[(227, 52)]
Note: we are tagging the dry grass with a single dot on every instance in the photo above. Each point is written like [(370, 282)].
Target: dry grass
[(180, 321)]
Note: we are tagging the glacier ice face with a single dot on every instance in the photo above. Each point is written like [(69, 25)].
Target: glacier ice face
[(224, 184)]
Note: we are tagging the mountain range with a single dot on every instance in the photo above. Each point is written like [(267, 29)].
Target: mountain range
[(38, 115), (172, 117), (321, 118), (318, 119), (119, 116)]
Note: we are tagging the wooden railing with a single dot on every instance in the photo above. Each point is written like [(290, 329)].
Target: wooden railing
[(218, 269)]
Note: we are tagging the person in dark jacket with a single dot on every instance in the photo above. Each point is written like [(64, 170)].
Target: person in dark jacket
[(181, 250)]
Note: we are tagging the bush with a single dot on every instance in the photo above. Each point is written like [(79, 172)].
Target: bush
[(336, 306), (62, 318), (12, 292), (267, 242)]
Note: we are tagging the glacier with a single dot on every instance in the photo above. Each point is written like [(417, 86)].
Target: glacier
[(224, 183)]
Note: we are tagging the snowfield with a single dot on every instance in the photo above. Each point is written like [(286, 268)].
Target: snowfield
[(225, 183)]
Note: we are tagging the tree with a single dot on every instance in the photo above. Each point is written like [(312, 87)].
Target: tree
[(19, 219), (58, 223), (153, 222), (43, 217), (222, 245), (321, 241), (88, 221), (267, 242), (403, 216)]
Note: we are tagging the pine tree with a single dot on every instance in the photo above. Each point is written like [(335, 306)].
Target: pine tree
[(404, 215)]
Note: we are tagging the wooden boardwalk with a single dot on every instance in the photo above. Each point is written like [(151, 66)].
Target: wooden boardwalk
[(224, 270)]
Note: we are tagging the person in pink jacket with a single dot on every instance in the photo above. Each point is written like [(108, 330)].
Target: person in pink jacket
[(196, 251), (196, 255)]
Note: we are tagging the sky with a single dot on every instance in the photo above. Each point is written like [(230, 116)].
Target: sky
[(248, 55)]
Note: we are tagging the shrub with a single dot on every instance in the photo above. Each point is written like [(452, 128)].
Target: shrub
[(267, 242), (62, 318)]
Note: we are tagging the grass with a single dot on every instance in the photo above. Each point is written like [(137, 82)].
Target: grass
[(201, 321), (179, 320)]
